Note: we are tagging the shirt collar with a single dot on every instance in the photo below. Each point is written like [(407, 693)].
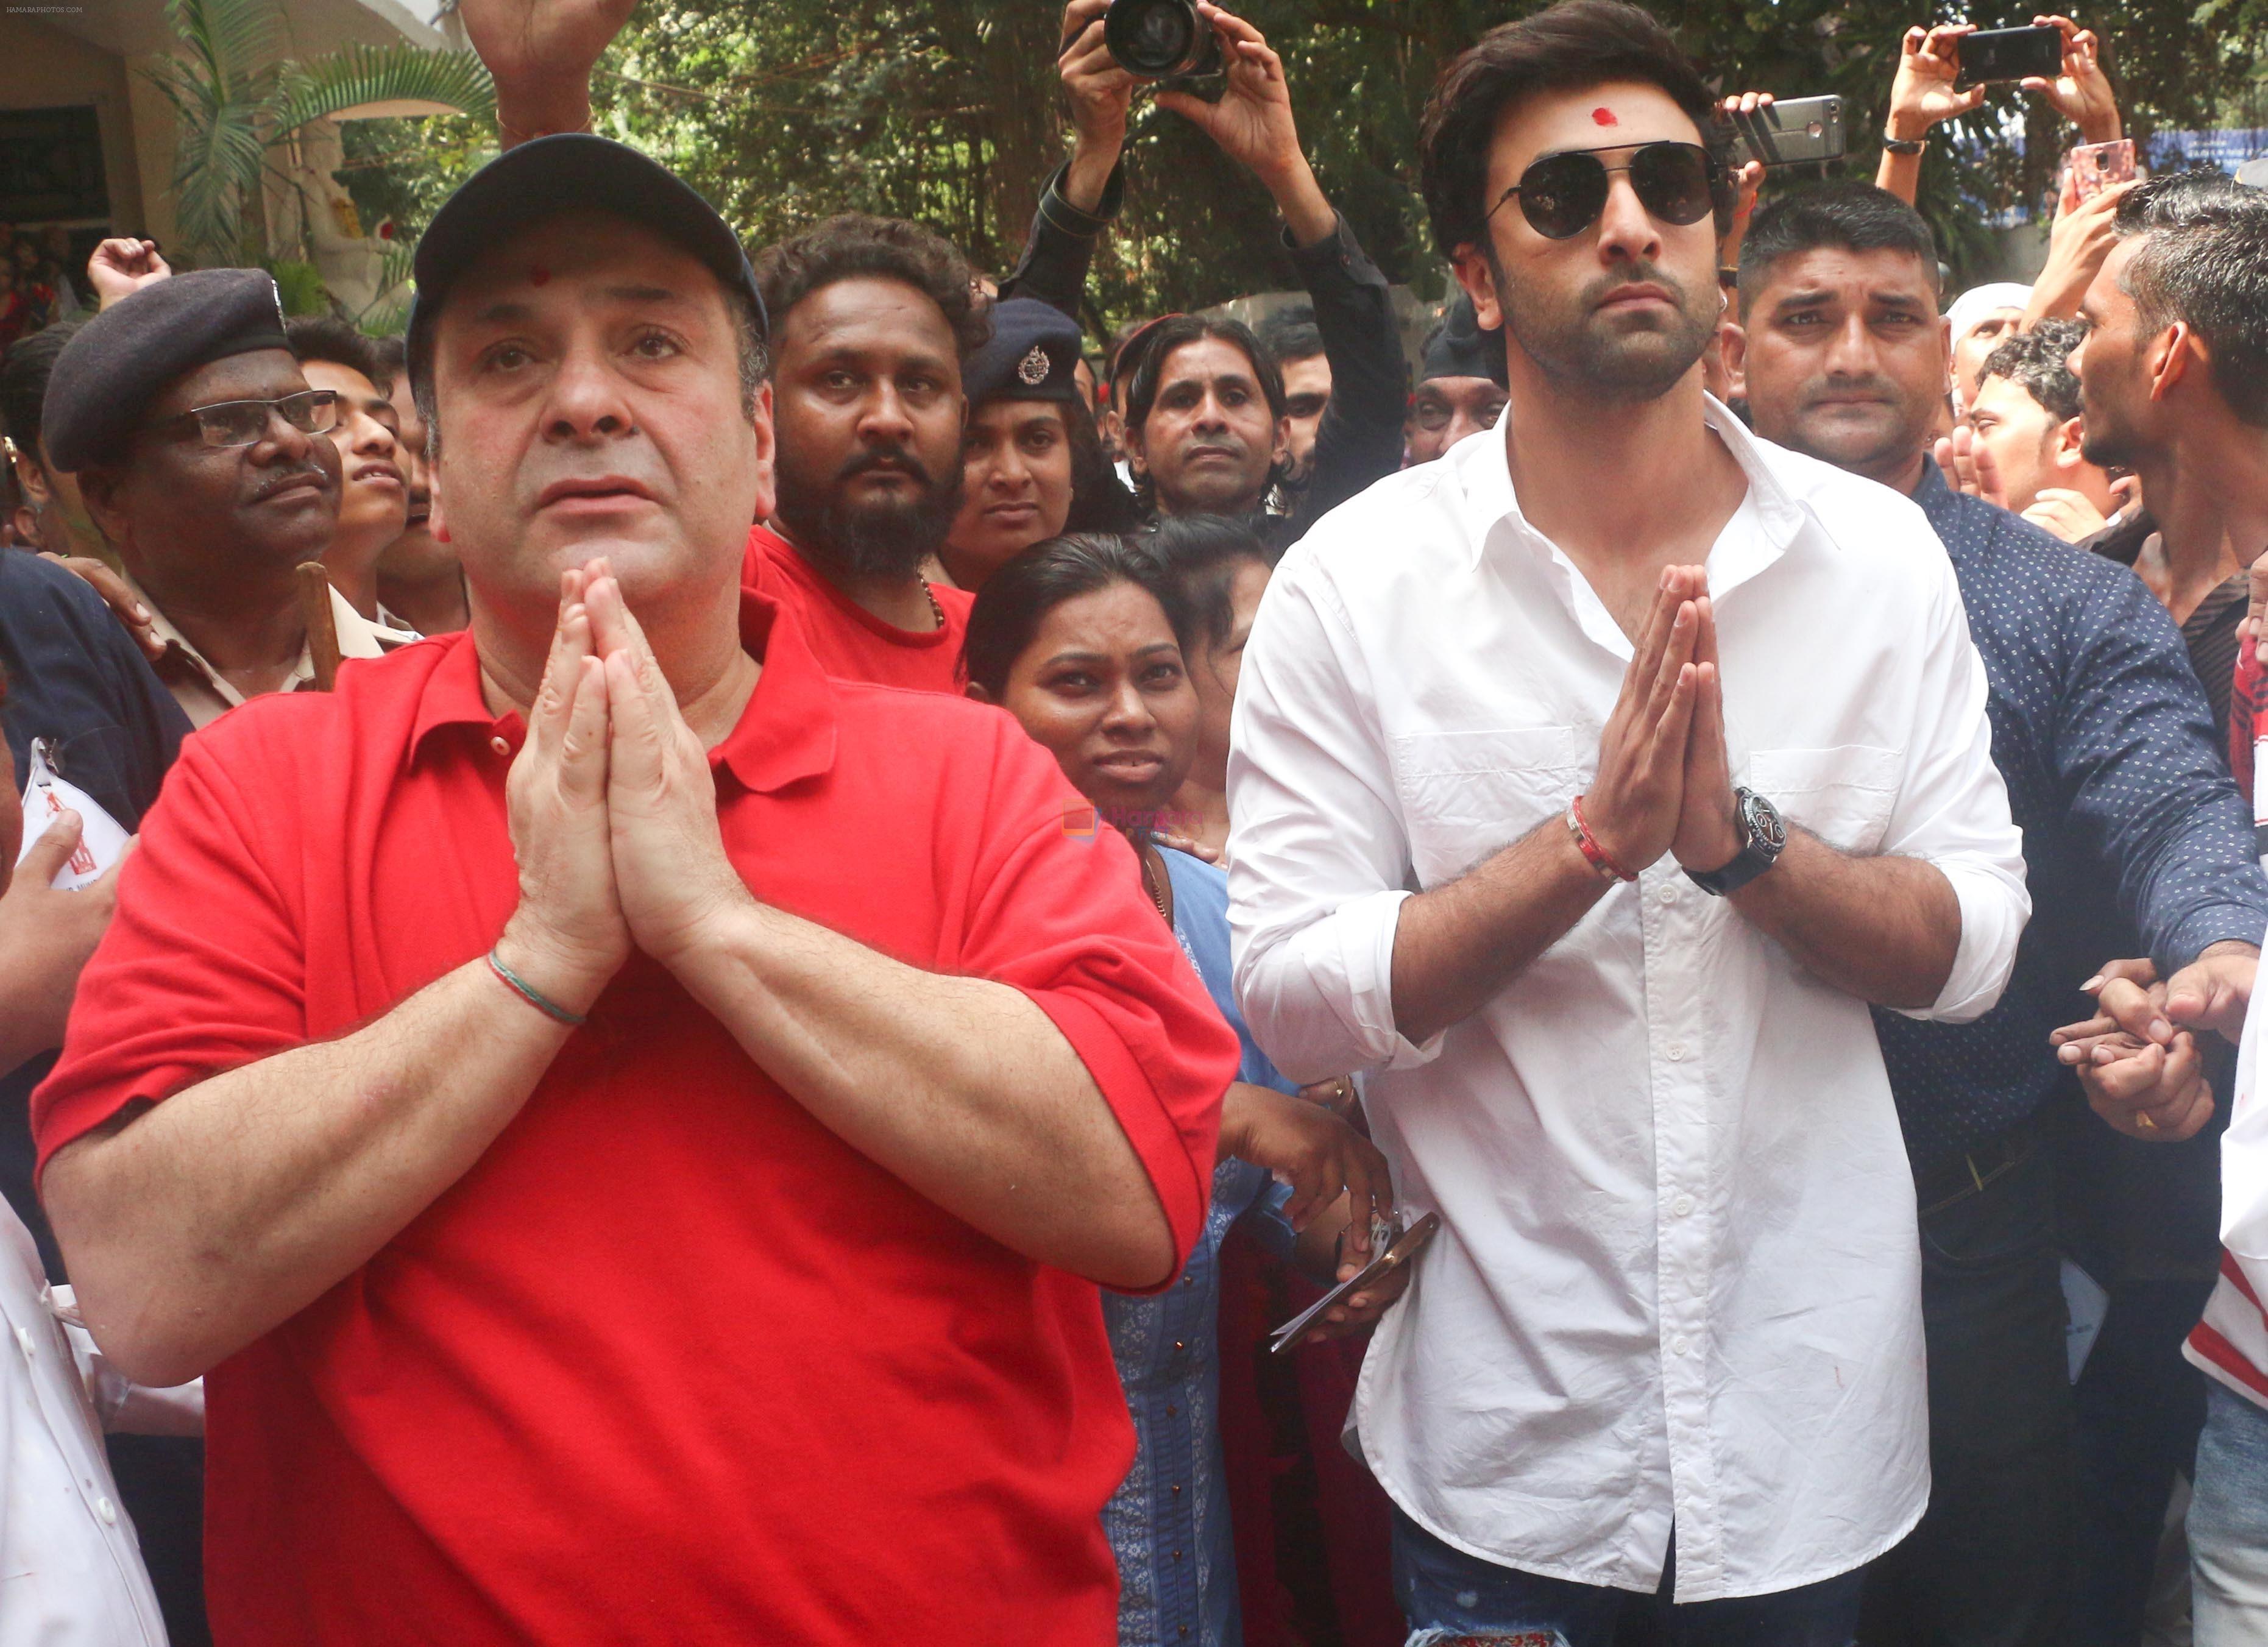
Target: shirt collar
[(357, 637), (1484, 470), (786, 733)]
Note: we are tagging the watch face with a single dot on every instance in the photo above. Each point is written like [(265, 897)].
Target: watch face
[(1762, 821)]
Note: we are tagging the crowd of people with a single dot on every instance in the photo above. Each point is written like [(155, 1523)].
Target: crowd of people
[(695, 954)]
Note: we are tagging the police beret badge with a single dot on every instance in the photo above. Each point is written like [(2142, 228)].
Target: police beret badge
[(1032, 370)]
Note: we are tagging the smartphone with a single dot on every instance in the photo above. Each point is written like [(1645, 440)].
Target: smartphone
[(1787, 134), (2095, 166), (2010, 54), (1405, 1245)]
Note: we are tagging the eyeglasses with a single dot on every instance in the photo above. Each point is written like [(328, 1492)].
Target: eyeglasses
[(241, 422), (1562, 194)]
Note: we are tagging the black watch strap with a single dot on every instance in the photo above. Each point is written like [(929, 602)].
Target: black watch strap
[(1902, 146), (1763, 837)]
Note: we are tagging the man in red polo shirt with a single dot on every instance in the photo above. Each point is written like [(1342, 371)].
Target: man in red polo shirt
[(633, 1126), (871, 318)]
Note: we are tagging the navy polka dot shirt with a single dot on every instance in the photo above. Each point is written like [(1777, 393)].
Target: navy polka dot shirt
[(2133, 831)]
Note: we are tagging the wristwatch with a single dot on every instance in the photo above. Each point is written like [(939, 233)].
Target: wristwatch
[(1902, 146), (1762, 838)]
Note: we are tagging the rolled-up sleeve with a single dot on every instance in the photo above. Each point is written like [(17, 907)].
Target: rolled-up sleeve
[(1319, 862), (1952, 811)]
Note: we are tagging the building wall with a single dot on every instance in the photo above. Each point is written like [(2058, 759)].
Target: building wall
[(41, 67)]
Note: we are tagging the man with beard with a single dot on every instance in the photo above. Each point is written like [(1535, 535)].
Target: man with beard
[(2171, 387), (2130, 826), (1589, 821), (205, 458), (872, 318)]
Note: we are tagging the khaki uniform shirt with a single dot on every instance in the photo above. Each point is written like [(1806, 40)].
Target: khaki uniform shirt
[(205, 696)]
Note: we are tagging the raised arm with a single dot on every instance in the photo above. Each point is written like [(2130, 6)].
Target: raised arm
[(1360, 437), (963, 1087), (1079, 201), (1922, 93), (540, 53), (196, 1224)]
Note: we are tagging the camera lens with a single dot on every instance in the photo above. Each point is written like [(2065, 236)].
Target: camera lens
[(1154, 38)]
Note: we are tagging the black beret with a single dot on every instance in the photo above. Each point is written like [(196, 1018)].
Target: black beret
[(1031, 356), (568, 171), (1458, 347), (125, 357)]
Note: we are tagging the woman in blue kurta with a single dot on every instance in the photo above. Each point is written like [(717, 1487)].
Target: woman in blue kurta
[(1081, 639)]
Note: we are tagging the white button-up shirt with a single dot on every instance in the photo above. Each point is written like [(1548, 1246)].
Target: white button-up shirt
[(70, 1571), (1678, 1277)]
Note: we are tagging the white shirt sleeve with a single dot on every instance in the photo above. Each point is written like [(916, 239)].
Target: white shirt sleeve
[(1953, 812), (1318, 863)]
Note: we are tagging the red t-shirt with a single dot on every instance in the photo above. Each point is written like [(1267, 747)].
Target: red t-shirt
[(672, 1363), (851, 642)]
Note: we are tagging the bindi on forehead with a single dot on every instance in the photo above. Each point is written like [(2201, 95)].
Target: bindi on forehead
[(538, 275), (1603, 116)]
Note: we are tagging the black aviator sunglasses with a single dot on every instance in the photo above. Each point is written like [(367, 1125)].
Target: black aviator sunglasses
[(1562, 194)]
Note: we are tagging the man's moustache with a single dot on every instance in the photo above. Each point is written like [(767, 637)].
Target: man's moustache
[(903, 461)]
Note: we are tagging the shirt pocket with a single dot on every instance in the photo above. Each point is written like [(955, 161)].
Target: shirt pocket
[(1466, 796), (1844, 795)]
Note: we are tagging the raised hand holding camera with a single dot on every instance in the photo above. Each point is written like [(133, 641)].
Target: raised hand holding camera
[(1252, 122)]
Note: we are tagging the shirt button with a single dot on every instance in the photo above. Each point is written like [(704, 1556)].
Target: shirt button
[(24, 1341), (1677, 1346), (1677, 1052), (1177, 1489), (1179, 1346), (1173, 1412), (1683, 1205), (1668, 893), (107, 1510)]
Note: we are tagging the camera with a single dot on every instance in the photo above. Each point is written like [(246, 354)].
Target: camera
[(1160, 39)]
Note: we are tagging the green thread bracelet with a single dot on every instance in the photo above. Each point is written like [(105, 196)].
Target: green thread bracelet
[(534, 996)]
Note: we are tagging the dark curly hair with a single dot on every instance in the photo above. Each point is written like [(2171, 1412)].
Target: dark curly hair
[(2034, 361), (855, 246), (1575, 43)]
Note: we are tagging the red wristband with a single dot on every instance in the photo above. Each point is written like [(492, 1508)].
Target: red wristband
[(1596, 855)]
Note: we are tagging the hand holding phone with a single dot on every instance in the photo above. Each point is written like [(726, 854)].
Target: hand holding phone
[(1995, 55), (2095, 166), (1788, 133)]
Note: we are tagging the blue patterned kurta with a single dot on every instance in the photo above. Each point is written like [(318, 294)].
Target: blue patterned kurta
[(2105, 740), (1168, 1523)]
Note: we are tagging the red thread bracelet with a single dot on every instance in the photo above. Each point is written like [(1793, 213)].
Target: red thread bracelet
[(1594, 854)]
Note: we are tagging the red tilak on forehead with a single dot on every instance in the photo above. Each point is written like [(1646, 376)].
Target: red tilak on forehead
[(538, 275), (1603, 116)]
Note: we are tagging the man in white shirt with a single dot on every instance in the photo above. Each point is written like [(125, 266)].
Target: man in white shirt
[(1502, 835)]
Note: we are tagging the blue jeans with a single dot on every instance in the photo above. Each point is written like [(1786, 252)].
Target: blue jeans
[(1450, 1597), (2228, 1524)]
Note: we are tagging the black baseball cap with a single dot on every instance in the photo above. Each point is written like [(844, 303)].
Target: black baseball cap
[(569, 172)]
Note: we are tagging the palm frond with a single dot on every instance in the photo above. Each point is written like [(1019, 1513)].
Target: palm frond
[(231, 41), (218, 159), (400, 73)]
